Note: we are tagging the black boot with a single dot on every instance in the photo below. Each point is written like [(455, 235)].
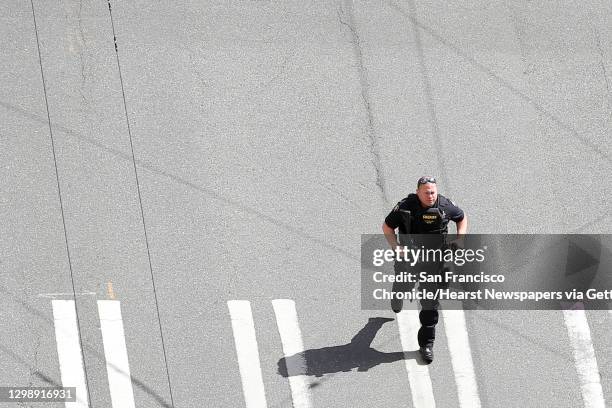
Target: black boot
[(427, 353), (396, 305)]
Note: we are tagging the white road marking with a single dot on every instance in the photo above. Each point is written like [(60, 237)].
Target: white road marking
[(291, 338), (584, 357), (115, 351), (418, 375), (65, 294), (247, 353), (461, 358), (69, 350)]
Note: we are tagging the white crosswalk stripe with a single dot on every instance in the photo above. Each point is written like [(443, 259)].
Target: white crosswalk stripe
[(247, 353), (418, 375), (455, 327), (291, 338), (584, 357), (69, 350), (115, 351), (461, 358)]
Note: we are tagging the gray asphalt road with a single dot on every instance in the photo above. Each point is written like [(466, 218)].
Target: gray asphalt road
[(238, 150)]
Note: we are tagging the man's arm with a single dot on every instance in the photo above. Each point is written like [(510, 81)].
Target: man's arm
[(462, 226), (390, 235)]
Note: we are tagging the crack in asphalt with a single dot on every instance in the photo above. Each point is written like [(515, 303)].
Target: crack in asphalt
[(428, 93), (144, 226), (539, 107), (81, 51), (365, 96), (33, 370), (520, 29), (604, 71), (210, 192)]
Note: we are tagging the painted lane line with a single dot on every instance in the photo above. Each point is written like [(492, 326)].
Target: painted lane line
[(291, 338), (69, 350), (418, 375), (115, 351), (66, 294), (461, 358), (584, 357), (247, 353)]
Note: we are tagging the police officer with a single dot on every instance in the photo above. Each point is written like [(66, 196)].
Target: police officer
[(425, 212)]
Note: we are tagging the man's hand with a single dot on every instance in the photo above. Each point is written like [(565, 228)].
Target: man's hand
[(458, 243), (390, 235)]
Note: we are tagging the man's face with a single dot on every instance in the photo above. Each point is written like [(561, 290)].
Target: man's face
[(428, 194)]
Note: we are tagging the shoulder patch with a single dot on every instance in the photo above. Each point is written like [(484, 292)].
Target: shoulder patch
[(450, 201), (399, 203)]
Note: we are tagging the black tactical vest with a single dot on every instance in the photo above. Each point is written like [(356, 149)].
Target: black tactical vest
[(430, 221), (422, 220)]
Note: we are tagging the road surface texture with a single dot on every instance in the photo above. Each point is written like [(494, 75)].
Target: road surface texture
[(184, 186)]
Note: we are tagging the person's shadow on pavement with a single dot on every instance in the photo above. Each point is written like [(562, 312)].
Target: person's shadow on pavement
[(356, 354)]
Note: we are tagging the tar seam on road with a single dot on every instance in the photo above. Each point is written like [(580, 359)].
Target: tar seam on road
[(516, 91), (211, 193), (59, 193), (365, 95), (603, 69), (433, 118), (144, 227)]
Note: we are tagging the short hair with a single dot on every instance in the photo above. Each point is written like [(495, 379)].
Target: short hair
[(425, 180)]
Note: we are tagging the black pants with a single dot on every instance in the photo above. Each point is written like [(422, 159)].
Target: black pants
[(428, 316)]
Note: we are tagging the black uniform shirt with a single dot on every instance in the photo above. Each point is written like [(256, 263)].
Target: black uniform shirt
[(422, 220)]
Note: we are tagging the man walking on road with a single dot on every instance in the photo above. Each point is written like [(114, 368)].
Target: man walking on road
[(425, 212)]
